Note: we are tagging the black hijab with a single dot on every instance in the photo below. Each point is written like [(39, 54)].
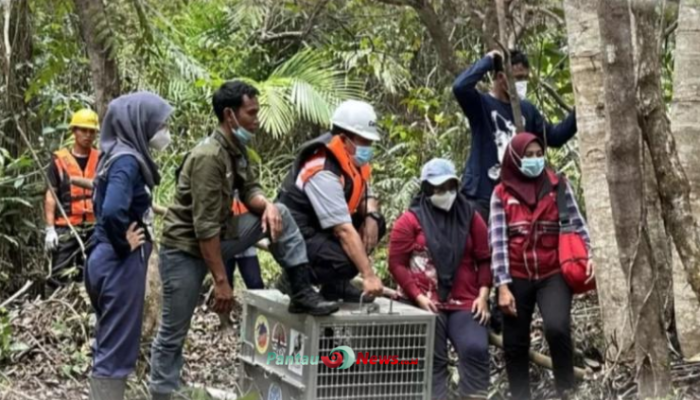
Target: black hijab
[(446, 234)]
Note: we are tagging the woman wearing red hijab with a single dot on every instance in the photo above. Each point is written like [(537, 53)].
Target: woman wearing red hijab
[(524, 236)]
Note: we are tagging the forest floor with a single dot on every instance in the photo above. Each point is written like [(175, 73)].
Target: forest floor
[(45, 355)]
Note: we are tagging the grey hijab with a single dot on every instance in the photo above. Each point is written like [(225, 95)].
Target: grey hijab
[(130, 123)]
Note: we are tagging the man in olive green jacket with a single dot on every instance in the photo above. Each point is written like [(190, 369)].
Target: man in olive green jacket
[(201, 233)]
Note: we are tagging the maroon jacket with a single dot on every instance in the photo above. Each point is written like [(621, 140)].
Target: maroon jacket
[(533, 235), (413, 270)]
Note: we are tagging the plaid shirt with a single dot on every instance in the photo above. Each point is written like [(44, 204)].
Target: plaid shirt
[(498, 235)]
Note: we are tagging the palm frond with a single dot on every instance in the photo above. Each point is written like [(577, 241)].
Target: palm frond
[(246, 13), (276, 114), (304, 88)]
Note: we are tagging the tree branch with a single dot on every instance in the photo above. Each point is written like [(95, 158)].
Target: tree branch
[(433, 24), (670, 29), (272, 37), (547, 12), (552, 92), (503, 34), (6, 32)]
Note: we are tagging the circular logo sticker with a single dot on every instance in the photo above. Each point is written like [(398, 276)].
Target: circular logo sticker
[(279, 340), (274, 393), (262, 334)]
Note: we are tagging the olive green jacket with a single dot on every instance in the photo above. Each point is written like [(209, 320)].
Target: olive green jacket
[(207, 180)]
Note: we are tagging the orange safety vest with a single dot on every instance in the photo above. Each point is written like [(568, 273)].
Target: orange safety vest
[(238, 207), (76, 201), (358, 176)]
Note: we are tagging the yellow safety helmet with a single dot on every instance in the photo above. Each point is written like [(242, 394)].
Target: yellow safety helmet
[(85, 118)]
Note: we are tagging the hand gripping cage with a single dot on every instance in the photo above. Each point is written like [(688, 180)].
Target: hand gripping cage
[(392, 343)]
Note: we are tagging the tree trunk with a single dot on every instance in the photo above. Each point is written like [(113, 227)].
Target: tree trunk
[(674, 188), (685, 124), (153, 303), (433, 24), (15, 61), (98, 38), (441, 41), (673, 183), (625, 180), (643, 39), (587, 77), (661, 243)]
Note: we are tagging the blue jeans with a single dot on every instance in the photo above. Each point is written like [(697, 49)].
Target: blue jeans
[(116, 288), (182, 275), (471, 341)]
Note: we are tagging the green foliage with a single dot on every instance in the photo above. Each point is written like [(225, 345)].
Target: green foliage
[(349, 49), (19, 192), (5, 335)]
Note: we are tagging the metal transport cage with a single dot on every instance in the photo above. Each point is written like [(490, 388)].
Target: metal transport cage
[(392, 344)]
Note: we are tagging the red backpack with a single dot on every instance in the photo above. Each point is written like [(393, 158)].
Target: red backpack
[(573, 254)]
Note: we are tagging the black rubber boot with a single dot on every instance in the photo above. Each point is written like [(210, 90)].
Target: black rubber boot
[(282, 284), (344, 290), (161, 396), (304, 298), (107, 388)]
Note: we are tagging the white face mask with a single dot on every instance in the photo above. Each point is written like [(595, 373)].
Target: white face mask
[(445, 200), (521, 88), (160, 140)]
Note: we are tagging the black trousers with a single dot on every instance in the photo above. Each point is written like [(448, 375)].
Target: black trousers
[(553, 297), (68, 254), (327, 257)]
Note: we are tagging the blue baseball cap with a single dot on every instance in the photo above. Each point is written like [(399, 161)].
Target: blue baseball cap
[(438, 171)]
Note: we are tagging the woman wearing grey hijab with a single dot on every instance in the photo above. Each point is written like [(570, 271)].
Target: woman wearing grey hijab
[(115, 277)]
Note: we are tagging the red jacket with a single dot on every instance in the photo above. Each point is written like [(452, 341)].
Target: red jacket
[(413, 270), (533, 235)]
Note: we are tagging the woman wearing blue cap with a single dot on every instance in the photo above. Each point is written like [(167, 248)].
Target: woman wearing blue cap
[(115, 277), (439, 256)]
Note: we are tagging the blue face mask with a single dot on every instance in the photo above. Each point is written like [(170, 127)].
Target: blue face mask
[(363, 155), (532, 167), (243, 135)]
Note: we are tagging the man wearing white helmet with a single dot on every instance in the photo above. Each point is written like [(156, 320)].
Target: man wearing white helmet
[(327, 191)]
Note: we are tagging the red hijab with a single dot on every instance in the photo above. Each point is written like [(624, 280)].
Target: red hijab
[(526, 189)]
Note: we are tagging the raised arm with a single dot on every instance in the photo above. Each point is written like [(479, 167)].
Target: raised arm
[(556, 134), (464, 87)]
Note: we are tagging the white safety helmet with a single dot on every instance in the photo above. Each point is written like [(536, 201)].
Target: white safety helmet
[(357, 117)]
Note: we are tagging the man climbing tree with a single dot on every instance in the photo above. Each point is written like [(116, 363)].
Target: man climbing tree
[(491, 120)]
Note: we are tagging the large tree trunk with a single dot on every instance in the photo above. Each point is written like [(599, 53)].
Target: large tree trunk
[(587, 77), (625, 179), (661, 243), (99, 40), (685, 124), (674, 188), (15, 61)]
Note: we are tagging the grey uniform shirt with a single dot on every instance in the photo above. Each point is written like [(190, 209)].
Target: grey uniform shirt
[(327, 197)]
